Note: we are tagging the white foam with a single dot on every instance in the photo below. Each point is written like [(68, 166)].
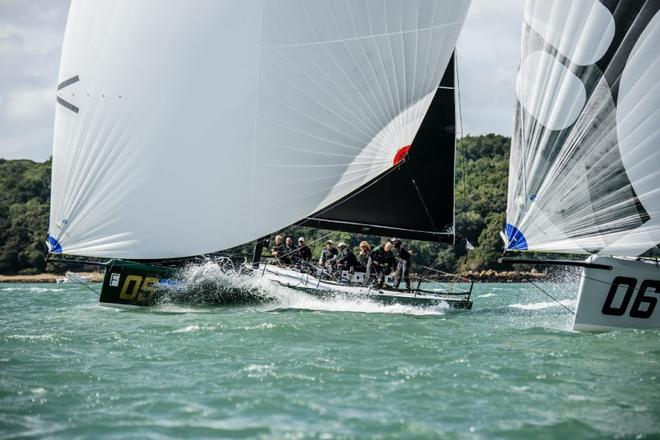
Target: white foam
[(188, 329), (486, 295), (262, 326), (192, 328), (542, 305), (278, 297), (32, 289), (33, 338)]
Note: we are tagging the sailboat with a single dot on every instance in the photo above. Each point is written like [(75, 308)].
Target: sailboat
[(585, 156), (187, 128)]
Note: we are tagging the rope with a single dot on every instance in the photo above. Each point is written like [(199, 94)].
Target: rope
[(350, 196), (552, 297), (311, 242), (77, 281), (453, 275), (460, 119), (421, 199)]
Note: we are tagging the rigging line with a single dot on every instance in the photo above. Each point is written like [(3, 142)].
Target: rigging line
[(460, 121), (307, 244), (332, 205), (440, 272), (552, 297), (419, 194), (77, 281)]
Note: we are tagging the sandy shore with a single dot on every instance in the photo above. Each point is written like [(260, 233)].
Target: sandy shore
[(486, 276), (94, 277)]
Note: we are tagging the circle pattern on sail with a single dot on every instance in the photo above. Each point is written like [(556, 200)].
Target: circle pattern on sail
[(586, 116)]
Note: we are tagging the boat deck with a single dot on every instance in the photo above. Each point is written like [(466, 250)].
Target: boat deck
[(324, 288)]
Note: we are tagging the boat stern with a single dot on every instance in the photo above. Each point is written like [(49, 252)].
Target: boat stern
[(624, 296)]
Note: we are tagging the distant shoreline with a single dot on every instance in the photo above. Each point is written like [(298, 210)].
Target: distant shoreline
[(94, 277), (485, 276)]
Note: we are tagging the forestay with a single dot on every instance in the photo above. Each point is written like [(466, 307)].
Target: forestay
[(185, 127), (584, 172)]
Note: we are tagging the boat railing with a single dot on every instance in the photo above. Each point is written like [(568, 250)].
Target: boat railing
[(321, 274)]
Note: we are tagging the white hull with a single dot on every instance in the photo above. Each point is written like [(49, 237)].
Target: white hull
[(624, 297), (319, 287)]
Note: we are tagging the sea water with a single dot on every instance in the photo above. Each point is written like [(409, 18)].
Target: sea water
[(299, 367)]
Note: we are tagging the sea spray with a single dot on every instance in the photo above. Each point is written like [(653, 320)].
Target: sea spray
[(209, 284)]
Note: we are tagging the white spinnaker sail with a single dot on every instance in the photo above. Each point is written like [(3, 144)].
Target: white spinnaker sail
[(585, 156), (186, 127)]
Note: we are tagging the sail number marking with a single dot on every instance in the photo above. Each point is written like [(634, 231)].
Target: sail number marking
[(137, 286), (636, 311)]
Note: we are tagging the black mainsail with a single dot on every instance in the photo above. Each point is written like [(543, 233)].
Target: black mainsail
[(415, 198)]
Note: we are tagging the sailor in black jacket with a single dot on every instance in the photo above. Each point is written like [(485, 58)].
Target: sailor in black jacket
[(303, 252), (347, 259), (328, 259), (279, 251), (403, 267), (381, 263)]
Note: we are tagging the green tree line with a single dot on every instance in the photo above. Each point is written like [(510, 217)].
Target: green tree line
[(24, 209), (481, 180)]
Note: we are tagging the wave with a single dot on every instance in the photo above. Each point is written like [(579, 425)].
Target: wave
[(209, 284), (32, 289), (486, 295), (542, 305)]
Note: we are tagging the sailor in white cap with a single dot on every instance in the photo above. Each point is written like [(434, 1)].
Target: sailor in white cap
[(303, 252)]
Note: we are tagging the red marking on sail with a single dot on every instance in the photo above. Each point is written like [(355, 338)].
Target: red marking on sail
[(401, 154)]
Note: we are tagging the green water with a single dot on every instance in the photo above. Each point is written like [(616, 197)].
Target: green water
[(303, 368)]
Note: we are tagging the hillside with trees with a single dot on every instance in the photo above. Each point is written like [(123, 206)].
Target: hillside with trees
[(24, 208), (481, 180)]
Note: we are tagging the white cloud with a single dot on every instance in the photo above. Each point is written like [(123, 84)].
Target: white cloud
[(29, 105), (31, 35), (488, 57)]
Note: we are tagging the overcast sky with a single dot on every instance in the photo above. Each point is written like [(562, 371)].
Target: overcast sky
[(31, 34)]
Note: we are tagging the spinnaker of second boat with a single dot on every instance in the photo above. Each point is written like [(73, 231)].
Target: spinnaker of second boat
[(584, 174)]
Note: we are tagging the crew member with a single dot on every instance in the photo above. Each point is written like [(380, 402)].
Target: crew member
[(347, 259), (381, 263), (279, 251), (364, 254), (290, 251), (403, 266), (328, 258), (303, 252)]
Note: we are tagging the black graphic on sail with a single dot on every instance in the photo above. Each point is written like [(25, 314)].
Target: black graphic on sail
[(415, 198)]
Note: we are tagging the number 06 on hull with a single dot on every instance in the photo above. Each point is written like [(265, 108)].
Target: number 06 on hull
[(624, 297)]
